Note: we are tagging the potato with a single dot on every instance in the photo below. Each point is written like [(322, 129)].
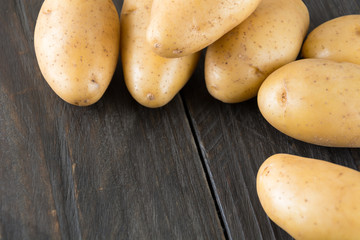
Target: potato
[(179, 28), (309, 198), (337, 39), (152, 80), (237, 64), (314, 100), (77, 47)]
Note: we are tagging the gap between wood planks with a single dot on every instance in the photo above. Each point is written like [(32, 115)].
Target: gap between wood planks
[(208, 174)]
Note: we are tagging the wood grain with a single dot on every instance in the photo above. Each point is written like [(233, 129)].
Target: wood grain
[(117, 170), (114, 170), (235, 139)]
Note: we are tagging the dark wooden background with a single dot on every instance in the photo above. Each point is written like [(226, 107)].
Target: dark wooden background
[(117, 170)]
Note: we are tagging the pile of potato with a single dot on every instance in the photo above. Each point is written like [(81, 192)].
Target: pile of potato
[(251, 50)]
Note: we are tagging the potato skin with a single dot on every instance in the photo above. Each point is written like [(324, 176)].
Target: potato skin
[(237, 63), (201, 23), (337, 39), (77, 47), (310, 198), (315, 101), (152, 80)]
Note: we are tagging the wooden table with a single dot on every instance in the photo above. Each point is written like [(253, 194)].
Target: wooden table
[(117, 170)]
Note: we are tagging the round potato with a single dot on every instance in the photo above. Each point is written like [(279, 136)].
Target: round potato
[(237, 64), (179, 28), (152, 80), (77, 47), (314, 100), (309, 198), (337, 39)]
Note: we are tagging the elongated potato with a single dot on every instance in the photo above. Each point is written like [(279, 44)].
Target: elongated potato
[(237, 63), (77, 47), (337, 39), (314, 100), (309, 198), (152, 80), (179, 28)]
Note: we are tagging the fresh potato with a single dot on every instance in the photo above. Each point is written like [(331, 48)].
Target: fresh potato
[(179, 28), (152, 80), (77, 47), (309, 198), (237, 64), (314, 100), (337, 39)]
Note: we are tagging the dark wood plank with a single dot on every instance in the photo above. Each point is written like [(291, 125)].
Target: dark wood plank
[(114, 170), (235, 139)]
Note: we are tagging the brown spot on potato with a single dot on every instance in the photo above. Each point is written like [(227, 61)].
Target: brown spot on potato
[(177, 51), (93, 85), (195, 28), (215, 87), (266, 171), (357, 32), (150, 96), (48, 11), (284, 96), (256, 70)]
